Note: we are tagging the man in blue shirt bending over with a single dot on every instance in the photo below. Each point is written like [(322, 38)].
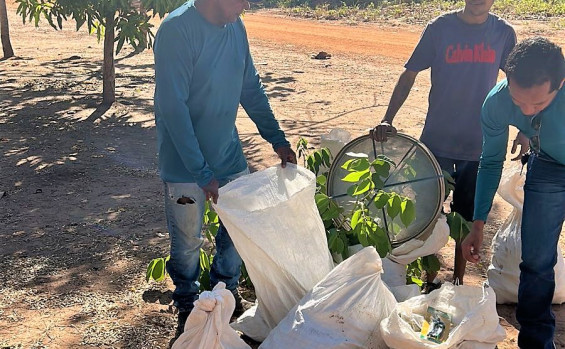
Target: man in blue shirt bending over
[(533, 100), (203, 72)]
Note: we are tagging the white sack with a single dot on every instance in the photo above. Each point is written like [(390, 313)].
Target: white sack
[(274, 223), (504, 270), (426, 244), (342, 311), (208, 326), (474, 317), (336, 139)]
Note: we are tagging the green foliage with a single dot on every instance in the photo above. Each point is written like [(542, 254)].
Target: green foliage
[(458, 226), (428, 264), (156, 269), (132, 25), (413, 11), (358, 226)]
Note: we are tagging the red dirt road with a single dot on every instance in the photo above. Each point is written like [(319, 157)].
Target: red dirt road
[(364, 39)]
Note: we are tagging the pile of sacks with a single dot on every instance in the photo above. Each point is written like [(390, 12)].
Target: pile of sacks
[(304, 302)]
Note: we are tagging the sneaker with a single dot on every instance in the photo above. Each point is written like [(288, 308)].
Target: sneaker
[(241, 305)]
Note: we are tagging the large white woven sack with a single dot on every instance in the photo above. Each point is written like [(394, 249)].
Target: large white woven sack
[(474, 317), (274, 223), (343, 310), (208, 326), (504, 270), (430, 242)]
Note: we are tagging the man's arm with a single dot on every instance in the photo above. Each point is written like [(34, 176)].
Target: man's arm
[(421, 59), (399, 95), (256, 104), (495, 138)]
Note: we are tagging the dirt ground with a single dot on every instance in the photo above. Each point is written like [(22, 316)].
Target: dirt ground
[(81, 207)]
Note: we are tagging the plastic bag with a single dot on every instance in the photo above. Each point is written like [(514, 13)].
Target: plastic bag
[(475, 322), (274, 223), (504, 270), (336, 139), (343, 310), (208, 326), (426, 244)]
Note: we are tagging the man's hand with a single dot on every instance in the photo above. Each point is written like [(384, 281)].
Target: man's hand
[(524, 143), (382, 131), (473, 242), (211, 190), (286, 155)]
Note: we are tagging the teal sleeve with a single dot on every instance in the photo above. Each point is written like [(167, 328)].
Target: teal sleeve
[(256, 104), (173, 75), (495, 140)]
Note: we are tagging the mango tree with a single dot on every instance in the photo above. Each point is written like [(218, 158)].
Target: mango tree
[(5, 31), (118, 21)]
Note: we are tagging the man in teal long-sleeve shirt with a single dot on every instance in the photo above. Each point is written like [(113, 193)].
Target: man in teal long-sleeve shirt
[(203, 72), (533, 100)]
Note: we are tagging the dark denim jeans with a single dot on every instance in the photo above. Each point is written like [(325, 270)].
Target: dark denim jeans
[(184, 222), (542, 220), (465, 175)]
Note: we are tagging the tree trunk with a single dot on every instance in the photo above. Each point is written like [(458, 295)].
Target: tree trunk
[(109, 73), (5, 31)]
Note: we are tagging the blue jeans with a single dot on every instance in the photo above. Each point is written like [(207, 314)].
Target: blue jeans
[(184, 209), (542, 220), (465, 175)]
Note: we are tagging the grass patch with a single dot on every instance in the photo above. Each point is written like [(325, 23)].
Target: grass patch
[(414, 11)]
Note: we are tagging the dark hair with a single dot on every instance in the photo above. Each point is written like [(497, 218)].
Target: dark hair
[(534, 61)]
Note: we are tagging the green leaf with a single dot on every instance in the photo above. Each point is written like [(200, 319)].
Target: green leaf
[(355, 218), (158, 272), (355, 177), (381, 241), (212, 217), (407, 212), (417, 281), (318, 157), (381, 199), (205, 261), (326, 157), (321, 180), (393, 206), (431, 264), (458, 226), (322, 202), (381, 167), (377, 181), (332, 240), (346, 164), (340, 246), (150, 268), (363, 187), (361, 164)]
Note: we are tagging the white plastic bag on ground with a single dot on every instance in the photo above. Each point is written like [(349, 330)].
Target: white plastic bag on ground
[(394, 265), (504, 270), (208, 326), (474, 317), (343, 310), (426, 244), (274, 223), (336, 139)]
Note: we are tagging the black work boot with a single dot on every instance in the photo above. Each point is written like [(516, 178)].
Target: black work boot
[(181, 321), (241, 305)]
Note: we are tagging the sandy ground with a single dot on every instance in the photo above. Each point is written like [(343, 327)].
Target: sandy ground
[(80, 198)]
